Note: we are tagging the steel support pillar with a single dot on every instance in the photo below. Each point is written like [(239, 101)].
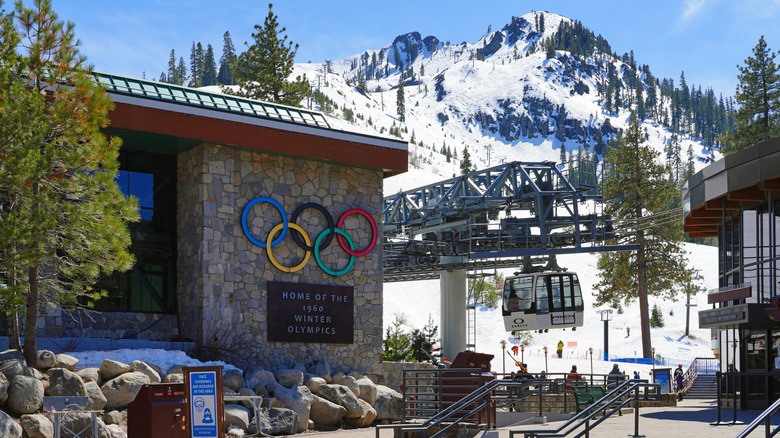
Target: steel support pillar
[(453, 312)]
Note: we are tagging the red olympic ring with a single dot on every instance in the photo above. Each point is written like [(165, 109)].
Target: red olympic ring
[(371, 245)]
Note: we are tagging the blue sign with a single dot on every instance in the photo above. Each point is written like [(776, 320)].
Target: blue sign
[(203, 396)]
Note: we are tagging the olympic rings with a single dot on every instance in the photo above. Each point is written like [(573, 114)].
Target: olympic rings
[(302, 239)]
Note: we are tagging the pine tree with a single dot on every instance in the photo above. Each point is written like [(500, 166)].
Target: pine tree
[(196, 65), (181, 72), (263, 69), (423, 343), (758, 97), (228, 58), (466, 165), (171, 78), (399, 102), (63, 217), (397, 346), (639, 188), (209, 67)]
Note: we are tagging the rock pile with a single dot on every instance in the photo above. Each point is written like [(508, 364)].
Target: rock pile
[(281, 402)]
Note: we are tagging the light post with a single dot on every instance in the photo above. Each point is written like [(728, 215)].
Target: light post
[(652, 353), (545, 359), (606, 316), (503, 356), (522, 353), (590, 351)]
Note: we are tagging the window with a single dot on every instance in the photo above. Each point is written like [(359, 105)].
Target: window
[(150, 286)]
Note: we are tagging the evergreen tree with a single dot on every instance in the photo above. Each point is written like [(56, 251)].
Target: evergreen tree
[(657, 317), (63, 217), (758, 97), (171, 78), (209, 67), (263, 69), (397, 346), (399, 101), (640, 188), (466, 165), (423, 343), (181, 72), (196, 65), (228, 58)]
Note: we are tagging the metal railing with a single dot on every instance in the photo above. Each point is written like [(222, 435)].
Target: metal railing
[(765, 418), (624, 394)]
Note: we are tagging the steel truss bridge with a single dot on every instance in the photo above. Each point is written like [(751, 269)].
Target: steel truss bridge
[(511, 215)]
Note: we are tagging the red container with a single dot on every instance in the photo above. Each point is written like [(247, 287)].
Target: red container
[(158, 411)]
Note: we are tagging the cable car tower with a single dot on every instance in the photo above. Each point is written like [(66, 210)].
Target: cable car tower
[(510, 215)]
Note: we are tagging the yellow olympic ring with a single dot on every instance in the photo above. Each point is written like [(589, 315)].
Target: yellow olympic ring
[(269, 247)]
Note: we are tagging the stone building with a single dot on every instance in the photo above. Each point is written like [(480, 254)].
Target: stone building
[(214, 174)]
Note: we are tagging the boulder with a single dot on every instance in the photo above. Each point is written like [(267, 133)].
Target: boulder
[(12, 363), (367, 419), (3, 388), (9, 428), (64, 382), (279, 421), (237, 415), (342, 395), (143, 367), (33, 372), (326, 413), (314, 384), (97, 401), (116, 417), (45, 359), (37, 426), (289, 378), (260, 381), (90, 375), (367, 390), (389, 404), (65, 361), (297, 399), (112, 368), (122, 390), (115, 431), (249, 404), (25, 395), (173, 378), (232, 379), (348, 381)]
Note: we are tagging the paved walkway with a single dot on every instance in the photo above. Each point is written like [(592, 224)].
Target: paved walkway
[(690, 419)]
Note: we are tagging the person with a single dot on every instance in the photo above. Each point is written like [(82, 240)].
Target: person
[(628, 331), (560, 349), (523, 374), (573, 377), (615, 377), (678, 379), (636, 375)]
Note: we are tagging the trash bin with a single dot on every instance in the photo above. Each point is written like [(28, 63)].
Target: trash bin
[(158, 412), (457, 384)]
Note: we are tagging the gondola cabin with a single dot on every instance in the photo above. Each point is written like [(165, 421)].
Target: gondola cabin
[(542, 301)]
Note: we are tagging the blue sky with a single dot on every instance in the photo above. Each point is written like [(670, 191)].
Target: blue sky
[(706, 39)]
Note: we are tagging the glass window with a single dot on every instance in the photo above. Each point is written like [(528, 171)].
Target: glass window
[(151, 285)]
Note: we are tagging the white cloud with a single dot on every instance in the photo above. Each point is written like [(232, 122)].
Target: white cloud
[(692, 8)]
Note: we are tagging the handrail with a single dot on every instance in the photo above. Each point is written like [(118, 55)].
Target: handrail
[(613, 398), (765, 417)]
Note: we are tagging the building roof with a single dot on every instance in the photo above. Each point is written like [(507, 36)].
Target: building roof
[(740, 180), (167, 118)]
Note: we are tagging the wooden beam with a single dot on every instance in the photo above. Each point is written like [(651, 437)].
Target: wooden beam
[(697, 222), (702, 213), (701, 235), (770, 185), (722, 205), (750, 194)]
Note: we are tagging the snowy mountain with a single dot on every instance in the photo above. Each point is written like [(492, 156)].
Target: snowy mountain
[(510, 97)]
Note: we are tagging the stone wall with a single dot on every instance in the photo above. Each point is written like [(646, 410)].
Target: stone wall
[(392, 372), (223, 277)]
